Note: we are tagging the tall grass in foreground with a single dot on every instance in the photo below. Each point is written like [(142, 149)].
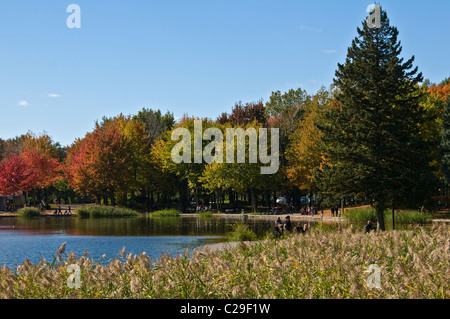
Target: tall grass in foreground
[(402, 217), (316, 264), (105, 212)]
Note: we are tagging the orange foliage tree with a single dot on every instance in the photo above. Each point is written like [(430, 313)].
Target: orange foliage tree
[(101, 164), (45, 168)]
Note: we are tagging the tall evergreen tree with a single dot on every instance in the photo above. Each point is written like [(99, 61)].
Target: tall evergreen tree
[(445, 142), (372, 139)]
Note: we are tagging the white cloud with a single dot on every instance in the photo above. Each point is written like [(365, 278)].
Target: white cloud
[(23, 103), (330, 51), (53, 95)]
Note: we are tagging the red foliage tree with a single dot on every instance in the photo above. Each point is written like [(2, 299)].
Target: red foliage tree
[(245, 114), (16, 175)]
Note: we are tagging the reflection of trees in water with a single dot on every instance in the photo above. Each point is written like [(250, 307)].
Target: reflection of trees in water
[(138, 226), (145, 225)]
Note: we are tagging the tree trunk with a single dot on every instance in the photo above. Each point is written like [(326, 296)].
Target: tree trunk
[(380, 216), (113, 198), (197, 204), (267, 197), (393, 219), (447, 191), (253, 194)]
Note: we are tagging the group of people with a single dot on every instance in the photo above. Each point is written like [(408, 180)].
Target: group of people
[(58, 211), (308, 210), (280, 227), (203, 208), (335, 210), (291, 209)]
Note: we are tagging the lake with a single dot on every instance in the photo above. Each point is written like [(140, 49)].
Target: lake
[(34, 238)]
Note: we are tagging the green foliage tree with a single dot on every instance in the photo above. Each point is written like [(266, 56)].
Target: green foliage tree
[(155, 123), (372, 140), (445, 142), (282, 104), (305, 155)]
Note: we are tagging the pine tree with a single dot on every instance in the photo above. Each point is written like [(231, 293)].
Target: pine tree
[(445, 142), (372, 139)]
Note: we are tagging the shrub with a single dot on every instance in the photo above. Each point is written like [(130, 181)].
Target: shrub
[(166, 212), (360, 214), (402, 217), (205, 214), (28, 212), (105, 211), (408, 217), (240, 232)]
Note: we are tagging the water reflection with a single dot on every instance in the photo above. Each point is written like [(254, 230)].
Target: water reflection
[(139, 226)]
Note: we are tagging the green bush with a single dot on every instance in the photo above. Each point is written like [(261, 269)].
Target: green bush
[(360, 214), (205, 214), (401, 217), (28, 212), (240, 232), (407, 217), (105, 212), (166, 212)]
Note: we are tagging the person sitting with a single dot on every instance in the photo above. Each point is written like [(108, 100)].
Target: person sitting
[(276, 232), (288, 224), (368, 227), (305, 228), (278, 222)]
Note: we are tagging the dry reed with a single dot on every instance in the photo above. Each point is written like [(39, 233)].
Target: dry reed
[(317, 264)]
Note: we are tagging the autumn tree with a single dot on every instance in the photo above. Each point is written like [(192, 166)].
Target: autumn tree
[(243, 114), (236, 177), (45, 168), (44, 144), (15, 175), (188, 173), (285, 111), (305, 154), (101, 164)]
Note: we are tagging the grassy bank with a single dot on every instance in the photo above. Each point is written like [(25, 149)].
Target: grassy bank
[(401, 217), (166, 212), (29, 212), (317, 264), (105, 212)]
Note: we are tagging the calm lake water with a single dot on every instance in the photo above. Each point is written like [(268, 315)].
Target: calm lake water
[(34, 238)]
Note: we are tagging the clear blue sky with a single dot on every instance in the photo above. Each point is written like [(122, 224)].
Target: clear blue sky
[(187, 56)]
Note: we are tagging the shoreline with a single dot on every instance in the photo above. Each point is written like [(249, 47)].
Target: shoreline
[(294, 217)]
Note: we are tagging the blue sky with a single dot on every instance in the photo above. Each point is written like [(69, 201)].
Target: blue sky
[(194, 57)]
